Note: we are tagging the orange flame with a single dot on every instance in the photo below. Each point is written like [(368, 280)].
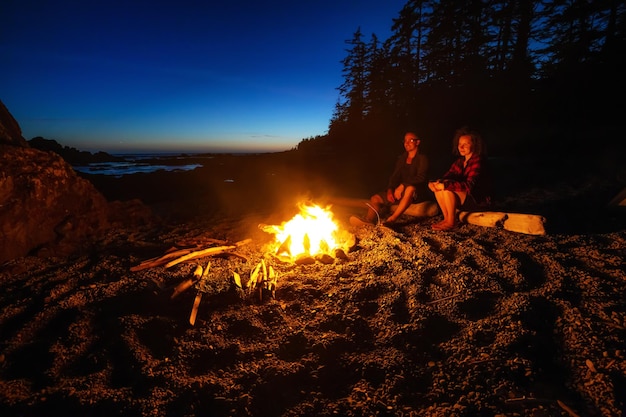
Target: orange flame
[(312, 231)]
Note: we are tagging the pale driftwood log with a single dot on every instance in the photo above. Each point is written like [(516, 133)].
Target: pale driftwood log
[(196, 242), (200, 253), (185, 255), (207, 252), (149, 263), (530, 224)]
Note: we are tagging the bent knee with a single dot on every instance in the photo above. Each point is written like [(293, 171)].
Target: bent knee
[(377, 199)]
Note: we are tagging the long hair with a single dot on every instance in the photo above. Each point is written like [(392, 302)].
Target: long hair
[(478, 145)]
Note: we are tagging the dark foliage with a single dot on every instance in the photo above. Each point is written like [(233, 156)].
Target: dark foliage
[(534, 77)]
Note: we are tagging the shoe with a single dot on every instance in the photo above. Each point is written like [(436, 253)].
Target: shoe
[(359, 222)]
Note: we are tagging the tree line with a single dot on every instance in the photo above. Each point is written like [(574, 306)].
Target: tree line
[(529, 74)]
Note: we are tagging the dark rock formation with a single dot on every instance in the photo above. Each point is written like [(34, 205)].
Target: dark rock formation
[(45, 203), (46, 209), (10, 131), (72, 155)]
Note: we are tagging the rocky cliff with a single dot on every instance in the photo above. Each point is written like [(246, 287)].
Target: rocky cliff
[(10, 131), (46, 209)]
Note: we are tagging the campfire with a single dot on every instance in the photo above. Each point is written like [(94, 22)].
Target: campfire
[(310, 235)]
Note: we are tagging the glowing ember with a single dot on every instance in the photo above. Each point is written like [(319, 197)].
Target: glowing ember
[(313, 231)]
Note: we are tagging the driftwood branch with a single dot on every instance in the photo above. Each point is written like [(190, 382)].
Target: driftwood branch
[(216, 250), (182, 287), (207, 252), (176, 257), (194, 309), (158, 261)]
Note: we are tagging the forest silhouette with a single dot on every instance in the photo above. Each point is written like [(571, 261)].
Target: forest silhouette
[(534, 76)]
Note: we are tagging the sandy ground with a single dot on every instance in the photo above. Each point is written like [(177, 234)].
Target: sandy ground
[(479, 321)]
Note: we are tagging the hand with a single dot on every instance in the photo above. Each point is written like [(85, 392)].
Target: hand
[(436, 186), (398, 192)]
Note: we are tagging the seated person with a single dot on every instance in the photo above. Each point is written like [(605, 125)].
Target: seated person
[(466, 185), (407, 185)]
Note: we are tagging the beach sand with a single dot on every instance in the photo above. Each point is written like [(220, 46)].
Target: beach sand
[(412, 322)]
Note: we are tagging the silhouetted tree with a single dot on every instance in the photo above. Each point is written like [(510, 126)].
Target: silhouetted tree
[(379, 87), (406, 55), (353, 91), (574, 76), (543, 66)]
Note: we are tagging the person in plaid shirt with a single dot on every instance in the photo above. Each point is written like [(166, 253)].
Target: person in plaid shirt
[(466, 185)]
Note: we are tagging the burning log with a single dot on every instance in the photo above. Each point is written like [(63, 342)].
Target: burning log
[(283, 249), (324, 258), (304, 259), (311, 234)]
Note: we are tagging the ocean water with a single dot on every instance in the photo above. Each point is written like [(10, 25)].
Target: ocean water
[(142, 163)]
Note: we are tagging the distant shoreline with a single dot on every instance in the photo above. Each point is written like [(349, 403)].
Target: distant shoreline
[(163, 154), (121, 164), (82, 158)]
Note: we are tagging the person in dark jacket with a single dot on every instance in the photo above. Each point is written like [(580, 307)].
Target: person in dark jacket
[(466, 185), (407, 185)]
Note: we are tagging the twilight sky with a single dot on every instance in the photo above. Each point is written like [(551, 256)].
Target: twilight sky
[(187, 75)]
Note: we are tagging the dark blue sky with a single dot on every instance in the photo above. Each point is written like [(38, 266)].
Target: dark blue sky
[(179, 75)]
